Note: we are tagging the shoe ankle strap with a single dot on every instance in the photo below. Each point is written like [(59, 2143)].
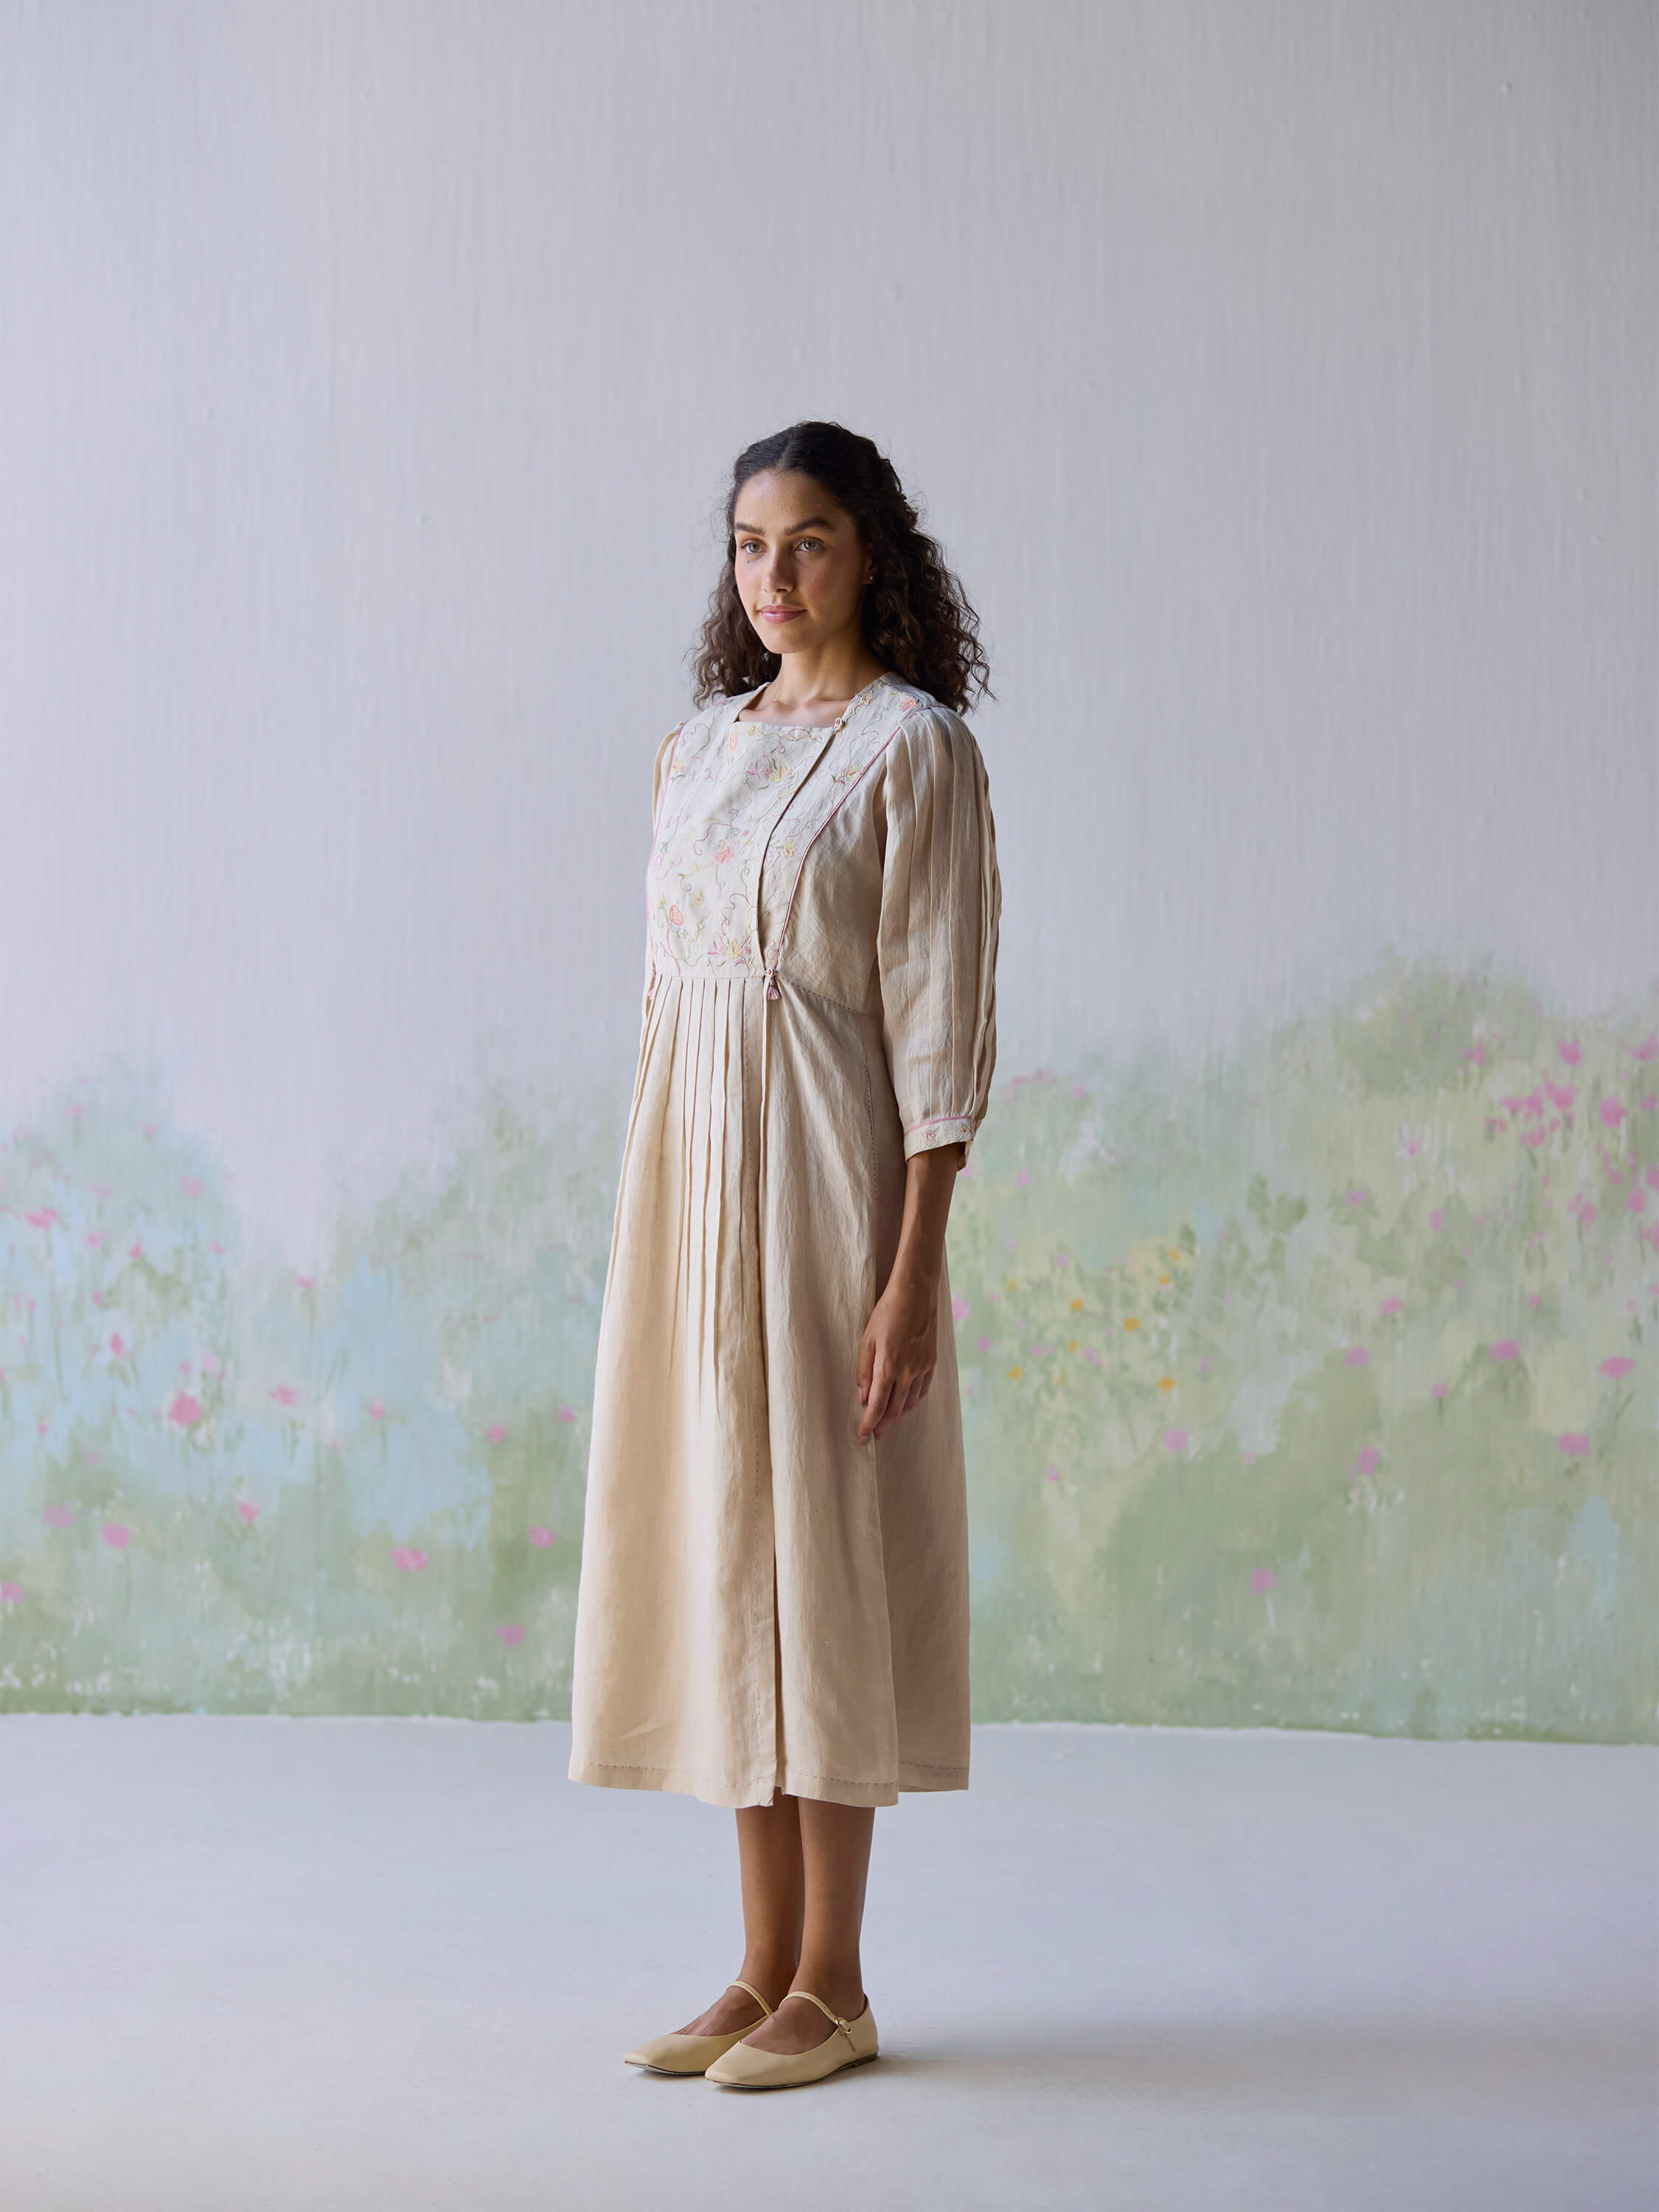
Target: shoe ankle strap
[(844, 2026), (753, 1993)]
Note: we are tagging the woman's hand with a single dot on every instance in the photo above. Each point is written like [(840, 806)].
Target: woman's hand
[(899, 1349), (898, 1352)]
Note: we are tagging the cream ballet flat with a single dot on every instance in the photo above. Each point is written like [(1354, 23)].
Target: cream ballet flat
[(849, 2043), (692, 2054)]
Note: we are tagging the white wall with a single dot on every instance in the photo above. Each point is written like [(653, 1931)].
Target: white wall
[(1280, 379)]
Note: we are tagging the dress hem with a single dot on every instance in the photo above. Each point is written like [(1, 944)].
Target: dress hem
[(829, 1788)]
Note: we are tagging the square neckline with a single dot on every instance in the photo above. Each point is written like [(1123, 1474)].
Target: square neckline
[(805, 729)]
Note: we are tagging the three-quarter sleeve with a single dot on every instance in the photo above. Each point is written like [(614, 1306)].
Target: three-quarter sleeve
[(936, 944)]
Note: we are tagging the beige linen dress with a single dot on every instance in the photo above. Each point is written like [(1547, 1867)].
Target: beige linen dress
[(765, 1602)]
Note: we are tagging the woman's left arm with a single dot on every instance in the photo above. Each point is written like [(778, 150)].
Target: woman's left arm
[(936, 951), (900, 1349)]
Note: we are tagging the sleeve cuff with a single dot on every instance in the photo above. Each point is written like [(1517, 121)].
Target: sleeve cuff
[(929, 1136)]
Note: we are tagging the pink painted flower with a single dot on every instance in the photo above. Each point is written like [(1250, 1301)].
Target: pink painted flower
[(1357, 1356), (304, 1282), (1436, 1218), (1612, 1112), (1586, 1214), (59, 1517), (1248, 1458), (567, 1413), (1357, 1197), (1618, 1366), (960, 1308), (408, 1555), (1390, 1305), (1437, 1390), (541, 1536), (1022, 1178), (116, 1534), (497, 1432), (1051, 1472), (118, 1344), (1175, 1440), (1647, 1049), (1571, 1051), (191, 1185), (1203, 1366), (211, 1365), (1506, 1348), (185, 1410), (246, 1508), (1574, 1442), (1262, 1578), (1369, 1459), (1636, 1199), (10, 1593), (285, 1394), (44, 1218), (1650, 1176), (510, 1632), (983, 1343), (1561, 1095)]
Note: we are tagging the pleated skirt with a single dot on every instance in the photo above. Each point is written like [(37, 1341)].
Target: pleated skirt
[(766, 1603)]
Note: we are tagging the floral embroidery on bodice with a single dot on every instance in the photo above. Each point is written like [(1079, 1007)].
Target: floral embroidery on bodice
[(728, 786)]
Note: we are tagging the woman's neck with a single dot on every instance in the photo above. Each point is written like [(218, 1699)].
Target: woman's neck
[(815, 694)]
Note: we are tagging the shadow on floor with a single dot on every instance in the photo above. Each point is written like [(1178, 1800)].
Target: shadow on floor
[(1378, 2068)]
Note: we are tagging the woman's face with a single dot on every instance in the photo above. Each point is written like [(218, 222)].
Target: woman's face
[(801, 569)]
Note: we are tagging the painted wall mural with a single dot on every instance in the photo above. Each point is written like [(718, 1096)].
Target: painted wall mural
[(1315, 1387)]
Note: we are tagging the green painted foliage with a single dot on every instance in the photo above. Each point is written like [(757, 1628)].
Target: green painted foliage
[(1317, 1388)]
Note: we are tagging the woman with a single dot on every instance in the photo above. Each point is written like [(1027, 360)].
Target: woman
[(773, 1610)]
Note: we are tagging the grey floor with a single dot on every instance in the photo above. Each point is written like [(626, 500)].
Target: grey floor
[(250, 1963)]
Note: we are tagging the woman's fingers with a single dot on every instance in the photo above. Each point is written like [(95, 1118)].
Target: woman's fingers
[(891, 1396), (875, 1402)]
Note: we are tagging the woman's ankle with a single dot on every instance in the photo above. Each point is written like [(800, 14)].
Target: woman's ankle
[(771, 1976), (842, 1986)]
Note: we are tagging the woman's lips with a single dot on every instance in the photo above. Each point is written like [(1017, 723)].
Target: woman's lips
[(780, 614)]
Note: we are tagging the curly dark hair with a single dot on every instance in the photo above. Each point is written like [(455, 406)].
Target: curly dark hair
[(916, 616)]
